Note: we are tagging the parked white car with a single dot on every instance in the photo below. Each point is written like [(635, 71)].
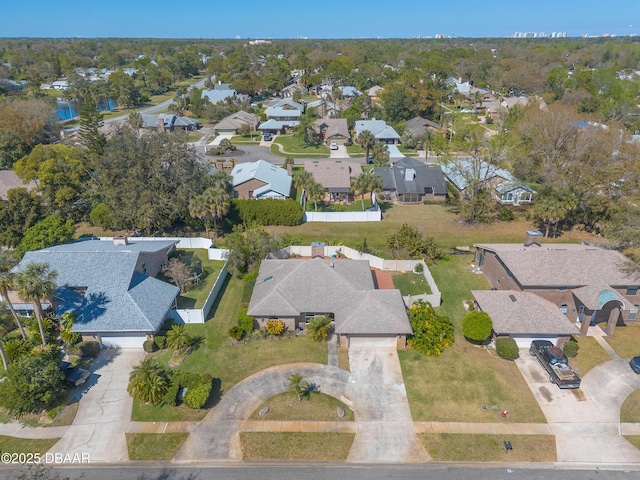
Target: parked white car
[(333, 146)]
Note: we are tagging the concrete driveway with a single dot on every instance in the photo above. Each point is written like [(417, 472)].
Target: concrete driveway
[(585, 421), (104, 412), (341, 152), (385, 431)]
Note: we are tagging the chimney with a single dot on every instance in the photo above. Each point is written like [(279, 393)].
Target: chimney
[(120, 240), (160, 124), (289, 168), (533, 237)]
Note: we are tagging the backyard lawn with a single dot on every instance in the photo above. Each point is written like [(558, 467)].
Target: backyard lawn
[(434, 220), (198, 292), (411, 283), (466, 383)]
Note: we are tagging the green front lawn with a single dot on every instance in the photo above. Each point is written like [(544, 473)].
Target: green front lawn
[(252, 139), (322, 447), (411, 283), (630, 411), (229, 363), (590, 354), (314, 407), (466, 383), (26, 445), (626, 340), (451, 447), (355, 150), (154, 446)]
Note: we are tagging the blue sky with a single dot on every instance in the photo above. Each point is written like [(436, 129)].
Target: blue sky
[(320, 19)]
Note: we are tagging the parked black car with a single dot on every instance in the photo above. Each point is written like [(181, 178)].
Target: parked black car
[(74, 376), (635, 364)]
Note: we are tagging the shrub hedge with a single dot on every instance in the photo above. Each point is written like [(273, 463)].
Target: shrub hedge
[(571, 348), (507, 348), (268, 211), (149, 346), (245, 322), (476, 326), (88, 349)]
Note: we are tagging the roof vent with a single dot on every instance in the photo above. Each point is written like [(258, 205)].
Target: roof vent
[(513, 298), (533, 237), (120, 240)]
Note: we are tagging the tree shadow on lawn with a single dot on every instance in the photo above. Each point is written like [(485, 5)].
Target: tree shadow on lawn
[(215, 395)]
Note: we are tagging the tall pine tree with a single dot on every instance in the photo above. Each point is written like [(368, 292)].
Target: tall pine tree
[(90, 123)]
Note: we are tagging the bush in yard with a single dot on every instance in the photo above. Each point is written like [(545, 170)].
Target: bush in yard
[(197, 395), (570, 348), (160, 341), (149, 346), (275, 327), (432, 333), (170, 398), (178, 338), (236, 333), (149, 382), (507, 348), (318, 328), (476, 326), (506, 215), (88, 349), (245, 322)]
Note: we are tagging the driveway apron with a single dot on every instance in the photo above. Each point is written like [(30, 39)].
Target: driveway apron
[(585, 421), (104, 411), (385, 431)]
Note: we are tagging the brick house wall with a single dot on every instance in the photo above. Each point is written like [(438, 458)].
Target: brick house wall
[(245, 190)]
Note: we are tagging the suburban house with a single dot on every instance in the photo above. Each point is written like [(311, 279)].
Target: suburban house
[(421, 126), (524, 316), (349, 91), (260, 179), (586, 283), (507, 189), (281, 116), (110, 286), (296, 291), (231, 124), (332, 130), (335, 176), (412, 181), (374, 94), (167, 122), (324, 108), (9, 179), (60, 85), (380, 130), (221, 91)]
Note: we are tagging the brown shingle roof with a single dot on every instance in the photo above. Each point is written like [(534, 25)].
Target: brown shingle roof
[(333, 174)]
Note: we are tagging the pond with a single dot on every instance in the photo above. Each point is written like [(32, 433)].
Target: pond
[(68, 109)]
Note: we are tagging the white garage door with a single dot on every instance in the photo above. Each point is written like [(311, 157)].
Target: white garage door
[(525, 342), (372, 342), (122, 341)]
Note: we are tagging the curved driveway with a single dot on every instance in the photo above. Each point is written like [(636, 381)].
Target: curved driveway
[(374, 390)]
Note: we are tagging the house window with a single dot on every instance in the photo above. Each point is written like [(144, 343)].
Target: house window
[(525, 197), (563, 308), (250, 193), (633, 313), (632, 290)]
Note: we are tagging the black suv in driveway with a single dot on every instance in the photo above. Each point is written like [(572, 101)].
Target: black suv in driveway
[(74, 376)]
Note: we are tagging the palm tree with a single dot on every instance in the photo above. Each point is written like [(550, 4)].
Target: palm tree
[(198, 209), (7, 261), (318, 328), (34, 283), (3, 356), (148, 382), (374, 185), (218, 202), (316, 192), (366, 182), (177, 338), (302, 179), (366, 140), (297, 384)]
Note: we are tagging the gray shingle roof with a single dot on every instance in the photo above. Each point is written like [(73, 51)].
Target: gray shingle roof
[(529, 314), (378, 128), (563, 265), (98, 281), (342, 287), (461, 169), (412, 176)]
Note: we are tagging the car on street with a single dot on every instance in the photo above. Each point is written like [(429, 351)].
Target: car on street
[(333, 146), (635, 364)]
